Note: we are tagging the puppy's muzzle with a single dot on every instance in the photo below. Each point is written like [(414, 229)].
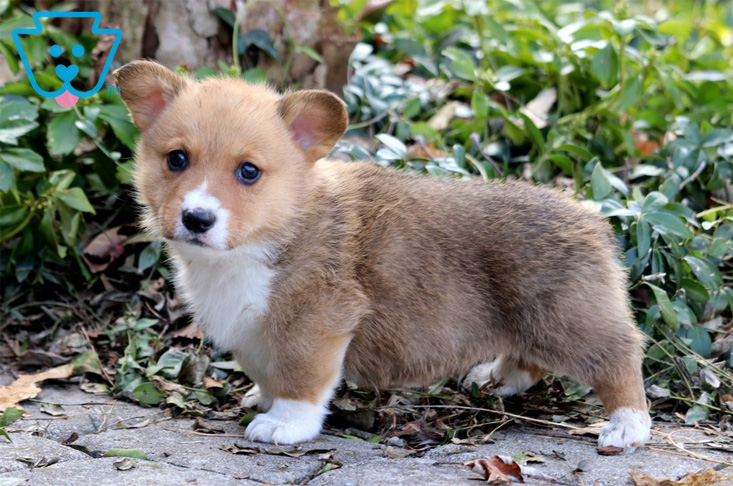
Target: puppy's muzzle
[(198, 220)]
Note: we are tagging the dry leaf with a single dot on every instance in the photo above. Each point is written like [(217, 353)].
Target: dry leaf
[(191, 331), (106, 247), (593, 429), (26, 386), (708, 477), (609, 450), (503, 469), (395, 452), (212, 383), (537, 109)]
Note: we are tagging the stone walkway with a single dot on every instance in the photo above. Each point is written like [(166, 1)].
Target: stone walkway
[(178, 455)]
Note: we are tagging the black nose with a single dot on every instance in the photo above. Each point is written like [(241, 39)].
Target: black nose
[(198, 220)]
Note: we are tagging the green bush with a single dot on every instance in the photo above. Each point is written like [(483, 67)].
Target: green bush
[(53, 162), (632, 114)]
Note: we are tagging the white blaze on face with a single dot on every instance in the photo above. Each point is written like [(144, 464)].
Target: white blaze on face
[(199, 198)]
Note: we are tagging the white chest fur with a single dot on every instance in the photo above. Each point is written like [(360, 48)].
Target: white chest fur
[(228, 294)]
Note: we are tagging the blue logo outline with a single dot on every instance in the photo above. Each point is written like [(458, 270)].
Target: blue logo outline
[(37, 16)]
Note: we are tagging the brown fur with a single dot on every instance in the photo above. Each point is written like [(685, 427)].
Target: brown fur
[(427, 276)]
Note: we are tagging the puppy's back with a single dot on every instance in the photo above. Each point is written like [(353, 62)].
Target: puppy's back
[(462, 268)]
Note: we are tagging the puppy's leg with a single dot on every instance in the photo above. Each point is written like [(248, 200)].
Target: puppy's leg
[(625, 401), (302, 382), (511, 376)]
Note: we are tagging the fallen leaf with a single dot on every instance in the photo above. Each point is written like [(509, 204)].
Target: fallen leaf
[(124, 464), (134, 453), (609, 450), (295, 451), (26, 386), (707, 477), (212, 383), (593, 429), (72, 438), (504, 469), (206, 428), (106, 247), (235, 449), (53, 409), (496, 471), (537, 109), (395, 452)]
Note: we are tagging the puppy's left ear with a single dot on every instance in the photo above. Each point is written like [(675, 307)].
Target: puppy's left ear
[(316, 120)]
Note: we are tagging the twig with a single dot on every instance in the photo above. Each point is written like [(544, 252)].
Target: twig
[(193, 432), (477, 142), (702, 458), (497, 412), (694, 175), (421, 142)]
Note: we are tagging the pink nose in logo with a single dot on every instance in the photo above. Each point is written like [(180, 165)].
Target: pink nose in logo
[(66, 99)]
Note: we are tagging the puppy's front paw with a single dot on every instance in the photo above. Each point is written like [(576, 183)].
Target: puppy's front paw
[(629, 428), (287, 422)]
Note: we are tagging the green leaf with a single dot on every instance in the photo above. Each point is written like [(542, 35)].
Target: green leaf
[(123, 129), (600, 184), (676, 28), (700, 341), (461, 63), (534, 134), (479, 104), (10, 58), (695, 290), (7, 177), (62, 135), (631, 93), (76, 199), (226, 15), (133, 453), (149, 256), (605, 65), (87, 362), (11, 216), (394, 144), (87, 127), (666, 223), (260, 39), (665, 306), (653, 201), (148, 394), (23, 159), (564, 162), (9, 416), (706, 272), (643, 237), (255, 76), (718, 136), (582, 153), (309, 52)]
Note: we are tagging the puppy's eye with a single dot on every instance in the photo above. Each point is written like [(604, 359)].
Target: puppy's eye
[(248, 173), (177, 160)]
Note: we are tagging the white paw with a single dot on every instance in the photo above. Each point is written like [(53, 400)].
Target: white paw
[(513, 381), (287, 422), (629, 428), (255, 398)]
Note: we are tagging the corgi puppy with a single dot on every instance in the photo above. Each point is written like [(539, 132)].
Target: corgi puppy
[(310, 271)]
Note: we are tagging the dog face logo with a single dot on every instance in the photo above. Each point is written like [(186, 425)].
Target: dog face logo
[(67, 95)]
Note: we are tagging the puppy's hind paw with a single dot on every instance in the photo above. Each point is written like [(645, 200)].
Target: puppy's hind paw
[(254, 398), (287, 422), (629, 428)]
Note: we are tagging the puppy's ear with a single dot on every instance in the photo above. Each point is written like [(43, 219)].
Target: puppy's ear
[(315, 119), (147, 88)]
